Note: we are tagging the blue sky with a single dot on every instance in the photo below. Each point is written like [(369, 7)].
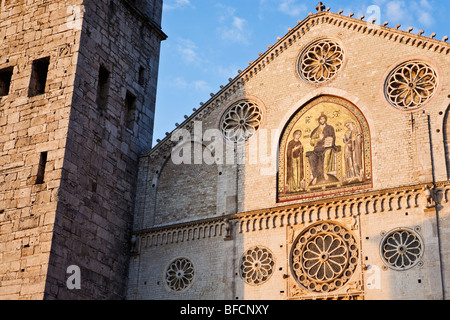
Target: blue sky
[(209, 40)]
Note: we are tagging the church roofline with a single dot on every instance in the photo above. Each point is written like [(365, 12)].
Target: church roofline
[(296, 33)]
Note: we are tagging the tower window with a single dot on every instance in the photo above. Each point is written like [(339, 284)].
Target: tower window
[(38, 77), (5, 81), (103, 88), (141, 76), (130, 109), (41, 169)]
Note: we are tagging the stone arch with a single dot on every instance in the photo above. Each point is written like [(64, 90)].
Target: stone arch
[(186, 190)]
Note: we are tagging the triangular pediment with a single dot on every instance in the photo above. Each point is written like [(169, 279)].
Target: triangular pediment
[(295, 34)]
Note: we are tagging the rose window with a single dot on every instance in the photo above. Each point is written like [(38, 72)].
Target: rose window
[(321, 61), (324, 257), (256, 266), (241, 121), (402, 249), (411, 85), (180, 274)]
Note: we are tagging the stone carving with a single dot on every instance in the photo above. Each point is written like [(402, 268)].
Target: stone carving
[(228, 230), (180, 274), (240, 122), (324, 257), (429, 195), (321, 61), (134, 244), (411, 85), (402, 249), (256, 266)]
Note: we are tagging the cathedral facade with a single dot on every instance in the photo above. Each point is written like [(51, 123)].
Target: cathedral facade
[(319, 172)]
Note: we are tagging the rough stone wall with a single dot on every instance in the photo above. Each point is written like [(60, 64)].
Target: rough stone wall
[(407, 150), (176, 183), (29, 126), (217, 259), (81, 213), (96, 200)]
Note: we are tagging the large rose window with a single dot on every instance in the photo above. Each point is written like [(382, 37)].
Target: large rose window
[(411, 85), (324, 257), (321, 61)]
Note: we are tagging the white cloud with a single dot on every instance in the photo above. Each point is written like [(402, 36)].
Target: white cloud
[(426, 19), (292, 8), (188, 51), (180, 83), (396, 10), (176, 4), (410, 13), (232, 28), (201, 85)]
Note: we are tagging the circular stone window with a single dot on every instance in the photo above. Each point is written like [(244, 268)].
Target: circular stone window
[(324, 257), (321, 61), (402, 249), (411, 85), (180, 274), (256, 265), (240, 122)]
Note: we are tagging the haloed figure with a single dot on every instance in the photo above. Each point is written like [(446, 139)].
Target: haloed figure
[(295, 173), (353, 153)]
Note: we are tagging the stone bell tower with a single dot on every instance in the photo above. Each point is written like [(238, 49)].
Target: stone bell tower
[(77, 99)]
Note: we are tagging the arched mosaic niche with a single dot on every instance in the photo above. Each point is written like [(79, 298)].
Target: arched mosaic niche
[(325, 149)]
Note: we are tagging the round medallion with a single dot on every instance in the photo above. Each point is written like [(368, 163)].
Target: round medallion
[(411, 85), (324, 257), (240, 122), (180, 274), (256, 265), (321, 61), (402, 249)]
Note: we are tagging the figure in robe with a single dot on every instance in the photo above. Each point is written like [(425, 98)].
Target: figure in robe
[(295, 172), (353, 152), (323, 159)]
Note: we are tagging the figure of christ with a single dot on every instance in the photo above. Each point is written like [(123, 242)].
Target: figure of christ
[(322, 160), (294, 157)]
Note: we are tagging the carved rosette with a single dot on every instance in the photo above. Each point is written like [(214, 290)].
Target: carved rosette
[(180, 274), (411, 85), (324, 257), (402, 249), (256, 265), (321, 61), (240, 122)]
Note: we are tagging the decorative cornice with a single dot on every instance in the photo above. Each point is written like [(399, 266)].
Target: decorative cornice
[(349, 206), (295, 34)]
